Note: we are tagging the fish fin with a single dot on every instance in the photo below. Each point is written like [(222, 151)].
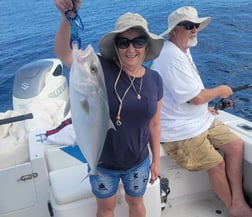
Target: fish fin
[(85, 106), (67, 107)]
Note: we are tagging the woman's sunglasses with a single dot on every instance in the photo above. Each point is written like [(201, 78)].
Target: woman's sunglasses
[(123, 43), (189, 25)]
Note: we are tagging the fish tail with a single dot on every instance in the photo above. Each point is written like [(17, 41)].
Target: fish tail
[(111, 125), (85, 177), (95, 172)]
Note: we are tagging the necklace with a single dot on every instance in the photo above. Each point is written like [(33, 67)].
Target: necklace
[(120, 99), (138, 94), (186, 54), (192, 64)]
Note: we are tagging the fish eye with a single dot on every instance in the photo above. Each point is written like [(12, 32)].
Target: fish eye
[(93, 69)]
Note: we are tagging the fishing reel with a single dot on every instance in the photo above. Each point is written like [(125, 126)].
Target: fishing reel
[(229, 103), (224, 104)]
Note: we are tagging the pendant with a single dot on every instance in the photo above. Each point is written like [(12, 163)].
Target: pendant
[(118, 120), (118, 123), (139, 96)]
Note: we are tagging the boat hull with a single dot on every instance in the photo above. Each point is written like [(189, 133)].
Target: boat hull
[(237, 124)]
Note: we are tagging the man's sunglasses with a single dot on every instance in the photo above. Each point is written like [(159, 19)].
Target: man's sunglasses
[(123, 43), (189, 25)]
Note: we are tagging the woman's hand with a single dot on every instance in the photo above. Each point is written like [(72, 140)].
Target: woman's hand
[(62, 38), (64, 5), (155, 171)]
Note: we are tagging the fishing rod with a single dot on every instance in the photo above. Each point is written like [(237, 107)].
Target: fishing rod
[(228, 103), (243, 87), (16, 118)]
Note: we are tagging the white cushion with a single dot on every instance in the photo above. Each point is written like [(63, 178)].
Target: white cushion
[(68, 184), (14, 147), (58, 159)]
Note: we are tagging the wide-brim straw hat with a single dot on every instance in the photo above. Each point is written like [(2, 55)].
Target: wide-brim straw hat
[(186, 13), (123, 23)]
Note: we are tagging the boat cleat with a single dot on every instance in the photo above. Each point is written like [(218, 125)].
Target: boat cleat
[(42, 137)]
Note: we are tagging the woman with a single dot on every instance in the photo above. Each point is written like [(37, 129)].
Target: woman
[(135, 97)]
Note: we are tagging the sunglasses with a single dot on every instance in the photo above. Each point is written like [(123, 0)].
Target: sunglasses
[(189, 25), (123, 43)]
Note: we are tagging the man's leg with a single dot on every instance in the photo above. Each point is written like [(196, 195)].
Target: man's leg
[(220, 185), (233, 155)]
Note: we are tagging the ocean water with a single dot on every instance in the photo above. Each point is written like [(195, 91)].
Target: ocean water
[(223, 54)]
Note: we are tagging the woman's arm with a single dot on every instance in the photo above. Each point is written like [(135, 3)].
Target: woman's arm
[(154, 128), (62, 39)]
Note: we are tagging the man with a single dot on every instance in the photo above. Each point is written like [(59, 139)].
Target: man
[(189, 132)]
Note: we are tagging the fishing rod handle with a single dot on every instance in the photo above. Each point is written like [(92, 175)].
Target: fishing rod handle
[(16, 118)]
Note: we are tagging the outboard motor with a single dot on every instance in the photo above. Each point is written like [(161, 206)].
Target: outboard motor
[(39, 79)]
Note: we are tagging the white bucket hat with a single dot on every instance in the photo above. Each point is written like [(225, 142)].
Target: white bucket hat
[(185, 13), (123, 23)]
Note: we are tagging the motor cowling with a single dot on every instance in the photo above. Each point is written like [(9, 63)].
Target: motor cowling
[(39, 80)]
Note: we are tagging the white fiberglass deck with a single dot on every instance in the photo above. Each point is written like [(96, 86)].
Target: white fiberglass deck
[(209, 207)]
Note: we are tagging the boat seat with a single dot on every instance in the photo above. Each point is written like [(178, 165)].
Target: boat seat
[(68, 184), (66, 175), (58, 159)]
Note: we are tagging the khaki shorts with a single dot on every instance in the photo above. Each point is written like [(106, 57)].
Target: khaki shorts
[(199, 153)]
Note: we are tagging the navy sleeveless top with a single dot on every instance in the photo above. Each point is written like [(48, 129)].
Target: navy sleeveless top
[(127, 146)]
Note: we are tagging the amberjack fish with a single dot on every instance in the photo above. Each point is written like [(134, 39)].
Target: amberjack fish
[(89, 104)]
